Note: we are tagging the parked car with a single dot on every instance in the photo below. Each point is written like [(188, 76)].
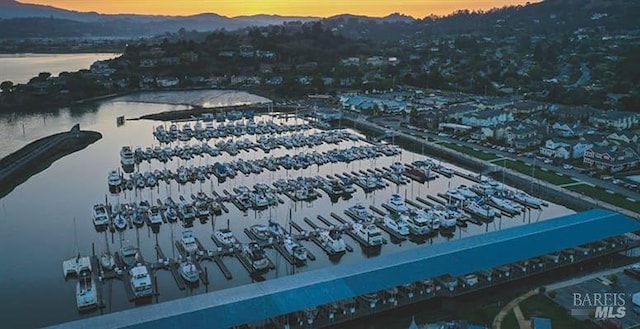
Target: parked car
[(567, 166)]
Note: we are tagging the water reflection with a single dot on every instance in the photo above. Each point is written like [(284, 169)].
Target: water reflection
[(37, 217)]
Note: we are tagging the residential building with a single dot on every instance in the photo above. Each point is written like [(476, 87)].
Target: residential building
[(486, 118), (522, 136), (612, 159), (623, 137), (619, 120), (565, 149), (525, 108)]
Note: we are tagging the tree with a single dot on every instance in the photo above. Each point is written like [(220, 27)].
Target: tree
[(6, 86)]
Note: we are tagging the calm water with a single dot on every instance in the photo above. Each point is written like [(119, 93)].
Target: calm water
[(37, 218), (19, 68)]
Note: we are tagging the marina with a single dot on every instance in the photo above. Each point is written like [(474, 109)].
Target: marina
[(270, 240), (300, 201)]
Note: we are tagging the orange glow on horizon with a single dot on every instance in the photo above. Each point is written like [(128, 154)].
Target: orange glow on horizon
[(231, 8)]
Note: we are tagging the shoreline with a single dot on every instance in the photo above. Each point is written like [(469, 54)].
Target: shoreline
[(37, 156)]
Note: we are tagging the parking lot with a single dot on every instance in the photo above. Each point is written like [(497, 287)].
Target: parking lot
[(626, 284)]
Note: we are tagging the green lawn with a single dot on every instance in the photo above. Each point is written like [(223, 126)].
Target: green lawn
[(481, 316), (541, 306), (470, 151), (600, 194), (547, 176)]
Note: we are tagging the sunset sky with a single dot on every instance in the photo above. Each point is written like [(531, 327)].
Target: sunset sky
[(324, 8)]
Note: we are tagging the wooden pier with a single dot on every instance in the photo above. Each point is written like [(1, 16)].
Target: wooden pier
[(173, 268), (413, 204), (428, 203)]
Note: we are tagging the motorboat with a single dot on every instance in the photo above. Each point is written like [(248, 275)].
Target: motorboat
[(202, 208), (396, 223), (455, 195), (142, 214), (398, 167), (171, 214), (114, 181), (189, 272), (126, 156), (186, 212), (86, 293), (295, 249), (481, 210), (504, 204), (527, 200), (358, 212), (467, 192), (275, 229), (369, 233), (396, 204), (100, 215), (128, 254), (418, 223), (259, 200), (448, 215), (155, 218), (188, 242), (256, 256), (140, 281), (332, 240), (119, 222), (107, 261), (260, 231), (224, 237)]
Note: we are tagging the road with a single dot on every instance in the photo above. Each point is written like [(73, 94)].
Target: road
[(421, 137)]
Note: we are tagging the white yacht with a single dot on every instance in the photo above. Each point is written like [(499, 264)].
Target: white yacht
[(255, 254), (275, 229), (398, 167), (128, 254), (126, 156), (418, 223), (455, 195), (481, 210), (467, 192), (188, 242), (505, 204), (332, 240), (259, 200), (156, 216), (296, 250), (140, 281), (396, 223), (119, 222), (107, 261), (114, 181), (86, 293), (224, 237), (370, 233), (189, 272), (527, 199), (100, 215), (358, 212), (396, 203), (171, 214), (261, 232)]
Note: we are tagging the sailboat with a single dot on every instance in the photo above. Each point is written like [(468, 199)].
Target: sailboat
[(77, 264), (86, 292)]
